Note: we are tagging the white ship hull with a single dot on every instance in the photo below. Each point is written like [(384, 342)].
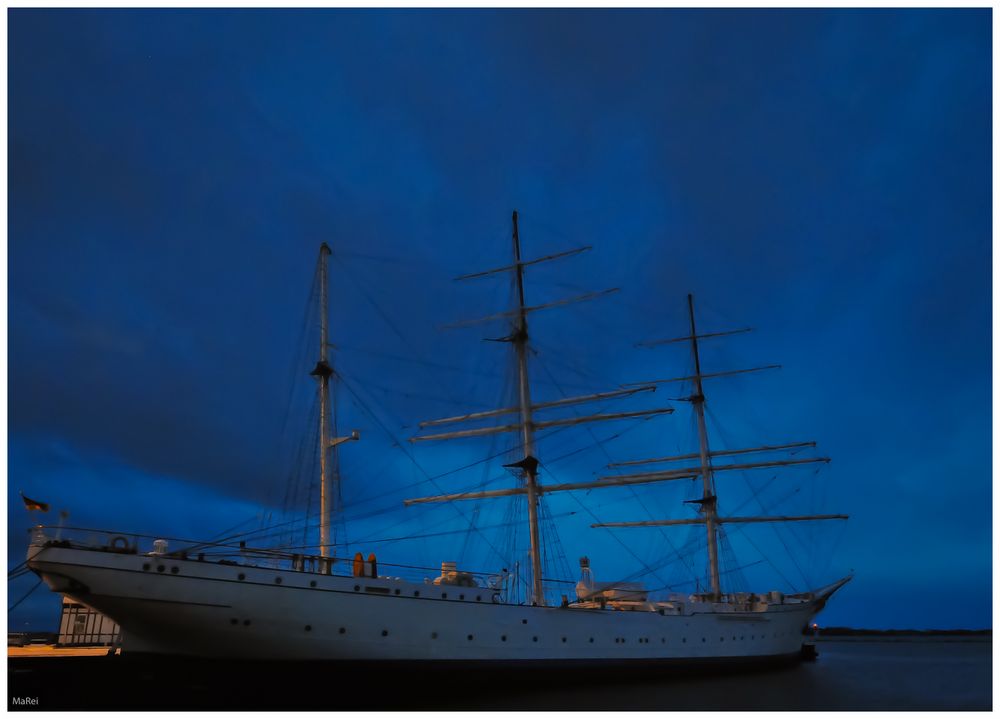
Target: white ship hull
[(177, 606)]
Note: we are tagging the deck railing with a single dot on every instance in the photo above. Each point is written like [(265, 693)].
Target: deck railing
[(238, 552)]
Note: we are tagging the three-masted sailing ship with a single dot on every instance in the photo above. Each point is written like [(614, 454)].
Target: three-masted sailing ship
[(227, 599)]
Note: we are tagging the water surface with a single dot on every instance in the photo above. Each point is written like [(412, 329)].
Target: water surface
[(893, 674), (848, 675)]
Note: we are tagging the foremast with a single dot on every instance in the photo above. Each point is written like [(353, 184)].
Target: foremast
[(708, 503)]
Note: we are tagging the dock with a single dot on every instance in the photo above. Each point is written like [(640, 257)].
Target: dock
[(51, 650)]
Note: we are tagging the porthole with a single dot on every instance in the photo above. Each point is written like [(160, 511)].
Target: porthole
[(534, 639), (479, 598), (145, 567), (174, 570), (416, 594), (241, 576), (312, 583), (397, 592), (503, 638), (357, 587), (234, 621), (564, 640), (591, 640), (734, 639), (385, 632), (722, 639), (684, 640), (461, 596), (444, 595), (524, 621), (277, 580), (309, 628), (434, 635), (246, 622), (663, 640), (343, 630), (703, 639), (160, 568), (469, 637)]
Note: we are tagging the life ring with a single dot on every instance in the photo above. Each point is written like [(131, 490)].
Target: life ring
[(119, 543)]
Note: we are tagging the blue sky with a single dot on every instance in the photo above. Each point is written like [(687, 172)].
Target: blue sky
[(821, 175)]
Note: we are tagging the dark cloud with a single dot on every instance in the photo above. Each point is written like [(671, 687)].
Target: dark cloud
[(821, 175)]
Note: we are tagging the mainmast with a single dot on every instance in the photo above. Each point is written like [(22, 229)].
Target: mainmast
[(322, 372), (526, 425), (529, 464), (708, 502)]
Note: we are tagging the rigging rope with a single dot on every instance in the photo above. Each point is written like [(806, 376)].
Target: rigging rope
[(28, 594), (630, 488)]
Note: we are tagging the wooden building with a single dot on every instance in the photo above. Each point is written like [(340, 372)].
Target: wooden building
[(81, 625)]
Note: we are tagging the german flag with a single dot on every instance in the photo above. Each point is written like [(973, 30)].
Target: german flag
[(34, 506)]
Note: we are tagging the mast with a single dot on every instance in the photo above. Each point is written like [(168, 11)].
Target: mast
[(708, 499), (707, 505), (530, 463), (322, 372), (526, 424)]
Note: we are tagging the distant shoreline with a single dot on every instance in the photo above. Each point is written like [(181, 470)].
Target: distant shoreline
[(831, 634), (852, 632)]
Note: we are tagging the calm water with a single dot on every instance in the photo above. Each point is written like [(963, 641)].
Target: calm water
[(849, 675)]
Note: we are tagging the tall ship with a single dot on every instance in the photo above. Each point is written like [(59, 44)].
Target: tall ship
[(233, 598)]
